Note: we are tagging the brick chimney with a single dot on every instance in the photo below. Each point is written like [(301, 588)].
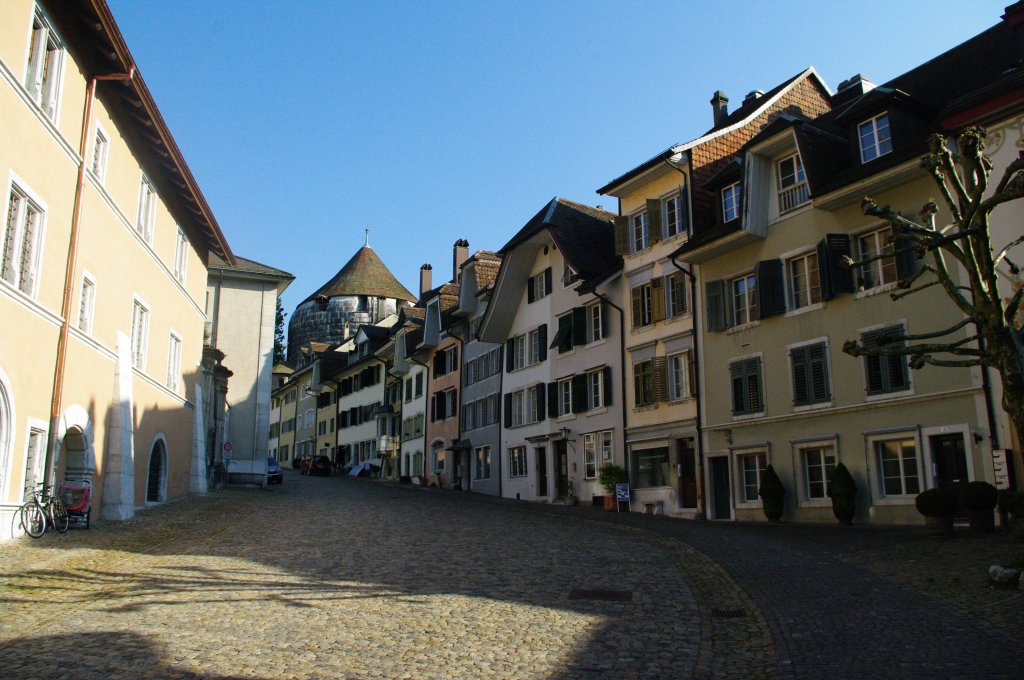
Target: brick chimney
[(425, 279), (719, 107), (460, 252)]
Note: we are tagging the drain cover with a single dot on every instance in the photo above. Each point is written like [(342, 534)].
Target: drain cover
[(602, 595), (728, 613)]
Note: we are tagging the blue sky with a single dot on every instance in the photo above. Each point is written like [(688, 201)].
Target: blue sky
[(427, 122)]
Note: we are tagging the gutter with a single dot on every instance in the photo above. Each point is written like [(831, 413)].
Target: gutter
[(622, 363), (696, 382)]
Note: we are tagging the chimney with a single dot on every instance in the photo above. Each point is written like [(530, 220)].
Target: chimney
[(850, 89), (460, 252), (425, 283), (752, 96), (720, 107)]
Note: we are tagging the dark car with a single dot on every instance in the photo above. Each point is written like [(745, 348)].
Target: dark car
[(274, 473), (319, 465)]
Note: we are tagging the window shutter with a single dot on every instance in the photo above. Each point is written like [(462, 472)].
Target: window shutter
[(508, 410), (621, 223), (835, 278), (607, 385), (433, 408), (771, 294), (714, 294), (509, 355), (531, 295), (438, 363), (563, 337), (539, 392), (654, 219), (752, 370), (818, 361), (906, 256), (543, 333), (691, 369), (658, 299), (798, 357), (455, 357), (637, 306), (684, 208), (679, 300), (638, 393), (547, 281), (580, 403), (579, 326), (659, 377), (553, 402), (604, 319)]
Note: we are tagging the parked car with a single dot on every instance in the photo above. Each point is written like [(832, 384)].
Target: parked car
[(274, 473), (320, 465)]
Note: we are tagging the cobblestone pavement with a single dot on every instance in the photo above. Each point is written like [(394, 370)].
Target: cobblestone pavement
[(352, 578)]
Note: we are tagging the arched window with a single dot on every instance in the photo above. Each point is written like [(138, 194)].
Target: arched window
[(5, 439), (156, 485)]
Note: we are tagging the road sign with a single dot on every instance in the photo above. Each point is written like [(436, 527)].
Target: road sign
[(227, 447)]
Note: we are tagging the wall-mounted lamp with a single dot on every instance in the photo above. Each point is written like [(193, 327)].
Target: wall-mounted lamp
[(565, 434)]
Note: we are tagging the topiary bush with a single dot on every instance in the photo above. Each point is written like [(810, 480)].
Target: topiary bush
[(773, 494), (980, 496), (843, 492), (936, 503)]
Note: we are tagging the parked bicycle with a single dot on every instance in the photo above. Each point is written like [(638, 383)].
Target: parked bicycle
[(44, 509)]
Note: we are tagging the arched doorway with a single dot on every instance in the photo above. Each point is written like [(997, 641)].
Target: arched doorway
[(78, 463), (156, 481), (5, 436)]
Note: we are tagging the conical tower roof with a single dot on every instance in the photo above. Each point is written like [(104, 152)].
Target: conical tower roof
[(364, 274)]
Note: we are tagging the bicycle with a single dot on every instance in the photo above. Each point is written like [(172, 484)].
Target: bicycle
[(45, 508)]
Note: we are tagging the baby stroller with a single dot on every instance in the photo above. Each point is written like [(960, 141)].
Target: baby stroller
[(77, 497)]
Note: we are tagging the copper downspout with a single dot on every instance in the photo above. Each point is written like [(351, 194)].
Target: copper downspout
[(49, 472)]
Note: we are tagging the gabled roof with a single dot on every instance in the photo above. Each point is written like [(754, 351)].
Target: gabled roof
[(486, 266), (246, 266), (364, 274)]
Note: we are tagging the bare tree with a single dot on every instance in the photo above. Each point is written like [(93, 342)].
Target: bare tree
[(964, 262)]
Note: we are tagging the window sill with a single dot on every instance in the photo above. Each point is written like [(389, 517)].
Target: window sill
[(567, 416), (812, 407), (747, 416), (749, 505), (742, 327), (803, 310), (816, 503), (678, 317), (596, 343), (647, 407), (681, 400), (597, 411), (889, 395), (893, 500), (636, 330), (877, 290)]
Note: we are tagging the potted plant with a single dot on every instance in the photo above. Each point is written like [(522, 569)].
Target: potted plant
[(938, 507), (773, 494), (980, 498), (843, 492), (608, 476)]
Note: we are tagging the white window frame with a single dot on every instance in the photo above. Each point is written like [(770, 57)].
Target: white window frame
[(44, 40), (437, 457), (517, 462), (518, 408), (670, 296), (595, 322), (181, 248), (590, 455), (565, 405), (12, 238), (800, 292), (878, 396), (877, 269), (35, 428), (742, 487), (140, 332), (595, 388), (639, 231), (801, 451), (146, 220), (732, 202), (519, 352), (877, 478), (744, 302), (86, 303), (533, 347), (100, 153), (482, 463), (679, 376), (174, 344), (877, 145), (538, 282), (792, 188), (673, 227)]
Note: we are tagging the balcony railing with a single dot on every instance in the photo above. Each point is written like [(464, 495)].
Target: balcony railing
[(793, 197)]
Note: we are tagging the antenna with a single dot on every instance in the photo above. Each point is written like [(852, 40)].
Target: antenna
[(367, 243)]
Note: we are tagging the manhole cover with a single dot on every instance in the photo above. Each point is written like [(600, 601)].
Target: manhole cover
[(603, 595), (728, 613)]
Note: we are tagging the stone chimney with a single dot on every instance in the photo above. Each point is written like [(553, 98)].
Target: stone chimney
[(720, 107), (425, 279), (851, 88), (752, 96), (460, 253)]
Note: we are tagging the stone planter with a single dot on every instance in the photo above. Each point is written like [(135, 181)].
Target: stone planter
[(939, 527)]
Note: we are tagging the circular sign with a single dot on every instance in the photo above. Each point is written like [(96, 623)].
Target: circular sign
[(227, 446)]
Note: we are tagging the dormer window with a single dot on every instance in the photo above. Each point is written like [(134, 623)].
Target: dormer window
[(793, 191), (731, 200), (875, 138)]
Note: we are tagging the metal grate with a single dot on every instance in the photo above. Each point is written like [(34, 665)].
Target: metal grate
[(728, 613), (602, 595)]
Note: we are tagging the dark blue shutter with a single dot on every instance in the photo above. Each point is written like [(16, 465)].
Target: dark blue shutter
[(579, 326), (508, 410), (771, 292), (509, 355), (543, 333), (547, 281), (539, 392), (835, 278), (604, 319), (906, 256), (580, 400), (799, 358), (553, 404), (607, 372)]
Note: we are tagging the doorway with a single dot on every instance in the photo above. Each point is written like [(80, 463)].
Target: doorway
[(542, 471), (562, 468), (687, 471), (950, 456), (156, 480), (721, 500)]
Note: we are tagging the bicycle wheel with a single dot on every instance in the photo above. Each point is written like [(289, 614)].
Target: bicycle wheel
[(59, 515), (33, 521)]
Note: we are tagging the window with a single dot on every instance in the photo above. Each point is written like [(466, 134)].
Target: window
[(896, 462), (731, 200), (595, 389), (809, 364), (408, 389), (746, 386), (538, 286), (517, 461), (876, 246), (321, 428), (147, 210), (678, 302), (100, 149), (875, 138), (519, 351), (174, 362), (751, 466), (140, 332), (518, 406), (565, 397), (793, 191), (643, 383), (640, 235), (483, 463), (535, 349), (86, 304), (437, 454), (597, 450), (569, 275), (419, 385), (642, 306), (819, 462), (673, 221), (885, 374), (181, 257), (35, 459), (679, 378), (45, 60), (651, 467), (596, 327), (444, 405), (744, 299), (804, 281), (21, 242)]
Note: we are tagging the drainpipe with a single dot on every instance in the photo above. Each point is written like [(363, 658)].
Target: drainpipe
[(696, 381), (49, 471), (622, 363)]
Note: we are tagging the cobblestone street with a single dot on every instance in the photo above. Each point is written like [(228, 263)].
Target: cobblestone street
[(351, 578)]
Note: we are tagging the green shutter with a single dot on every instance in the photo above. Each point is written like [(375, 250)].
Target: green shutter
[(659, 378), (539, 393), (580, 400), (543, 333), (553, 404), (799, 358), (654, 220), (637, 307), (579, 326), (547, 281), (607, 372), (771, 293), (621, 223), (714, 297)]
